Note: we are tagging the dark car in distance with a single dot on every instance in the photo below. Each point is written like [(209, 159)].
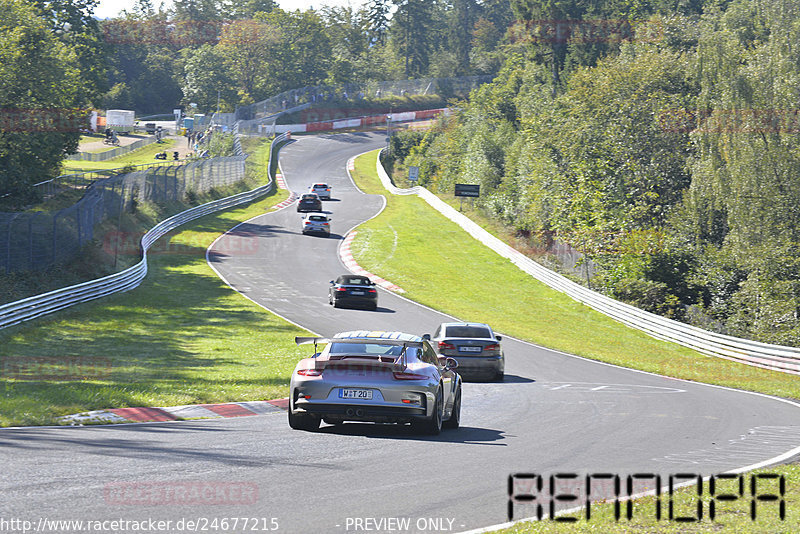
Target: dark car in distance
[(353, 290), (309, 202)]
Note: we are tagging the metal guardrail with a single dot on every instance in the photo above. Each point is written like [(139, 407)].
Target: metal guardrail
[(765, 355), (39, 305)]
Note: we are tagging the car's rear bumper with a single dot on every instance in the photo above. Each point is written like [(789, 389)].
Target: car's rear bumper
[(479, 367), (360, 412), (349, 300)]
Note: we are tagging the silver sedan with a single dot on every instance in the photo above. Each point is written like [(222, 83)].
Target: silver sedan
[(474, 345), (383, 377)]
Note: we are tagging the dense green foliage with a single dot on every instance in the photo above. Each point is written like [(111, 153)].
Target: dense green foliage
[(210, 55), (42, 91), (669, 156)]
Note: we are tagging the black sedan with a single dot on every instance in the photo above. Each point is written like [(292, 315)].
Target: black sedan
[(353, 290), (309, 202)]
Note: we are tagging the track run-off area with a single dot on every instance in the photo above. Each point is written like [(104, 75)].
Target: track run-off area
[(554, 413)]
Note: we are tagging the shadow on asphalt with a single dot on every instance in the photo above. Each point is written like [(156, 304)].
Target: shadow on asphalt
[(507, 379), (464, 434)]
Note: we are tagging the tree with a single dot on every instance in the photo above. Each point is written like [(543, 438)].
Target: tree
[(412, 34), (460, 25), (207, 81), (247, 9), (544, 17), (377, 21), (40, 114), (72, 22)]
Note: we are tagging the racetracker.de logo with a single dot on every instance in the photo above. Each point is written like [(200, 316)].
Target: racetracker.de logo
[(129, 244), (178, 493), (55, 368), (38, 120), (742, 120), (550, 31)]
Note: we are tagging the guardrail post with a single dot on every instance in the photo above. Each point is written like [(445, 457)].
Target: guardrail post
[(30, 239), (55, 236)]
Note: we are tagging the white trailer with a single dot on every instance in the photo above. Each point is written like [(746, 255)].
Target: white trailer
[(120, 120)]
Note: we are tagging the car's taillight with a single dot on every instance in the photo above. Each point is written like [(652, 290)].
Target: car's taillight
[(371, 291), (309, 372), (308, 222), (324, 224), (493, 346), (446, 346), (409, 376), (341, 289)]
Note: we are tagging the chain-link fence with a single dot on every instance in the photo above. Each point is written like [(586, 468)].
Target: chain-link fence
[(296, 98), (38, 240)]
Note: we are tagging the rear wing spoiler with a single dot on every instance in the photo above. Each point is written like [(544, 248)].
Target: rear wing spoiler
[(401, 360), (358, 341)]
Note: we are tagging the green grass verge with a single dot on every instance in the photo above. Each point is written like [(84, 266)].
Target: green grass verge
[(146, 154), (182, 337), (454, 273)]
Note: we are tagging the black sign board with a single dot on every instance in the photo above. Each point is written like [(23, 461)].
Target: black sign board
[(468, 190)]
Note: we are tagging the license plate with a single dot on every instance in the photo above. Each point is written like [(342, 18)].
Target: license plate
[(356, 292), (470, 349), (360, 394)]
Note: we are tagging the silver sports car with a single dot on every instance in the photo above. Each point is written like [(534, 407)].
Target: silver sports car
[(384, 377)]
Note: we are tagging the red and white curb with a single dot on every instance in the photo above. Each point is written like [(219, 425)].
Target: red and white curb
[(282, 185), (347, 258), (176, 413)]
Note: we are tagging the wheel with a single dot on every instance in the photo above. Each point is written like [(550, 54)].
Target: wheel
[(335, 304), (303, 421), (374, 307), (455, 416), (432, 426), (499, 376)]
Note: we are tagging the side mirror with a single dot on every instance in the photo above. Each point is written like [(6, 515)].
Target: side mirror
[(371, 283), (498, 338), (426, 337), (332, 282), (450, 363)]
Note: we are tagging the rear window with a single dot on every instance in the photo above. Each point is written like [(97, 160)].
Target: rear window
[(353, 281), (318, 218), (320, 186), (467, 331), (309, 197)]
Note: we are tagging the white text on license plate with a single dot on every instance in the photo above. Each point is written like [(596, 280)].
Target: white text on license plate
[(361, 394), (470, 349)]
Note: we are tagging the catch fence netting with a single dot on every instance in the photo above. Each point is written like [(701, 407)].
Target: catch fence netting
[(31, 241)]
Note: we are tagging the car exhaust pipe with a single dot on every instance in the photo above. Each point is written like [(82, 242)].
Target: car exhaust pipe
[(359, 413), (350, 411)]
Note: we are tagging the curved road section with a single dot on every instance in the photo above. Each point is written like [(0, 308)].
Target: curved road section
[(554, 413)]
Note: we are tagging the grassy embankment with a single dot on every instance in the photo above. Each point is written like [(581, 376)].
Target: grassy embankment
[(146, 154), (456, 274), (92, 263), (182, 337)]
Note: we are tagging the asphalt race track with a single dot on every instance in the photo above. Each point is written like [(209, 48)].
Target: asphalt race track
[(554, 413)]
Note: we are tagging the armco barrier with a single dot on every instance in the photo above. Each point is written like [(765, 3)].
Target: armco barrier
[(38, 305), (768, 356)]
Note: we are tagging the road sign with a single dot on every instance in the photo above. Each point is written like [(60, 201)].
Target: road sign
[(413, 173), (468, 190)]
